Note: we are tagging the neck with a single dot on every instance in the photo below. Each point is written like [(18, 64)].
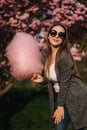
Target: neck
[(54, 50)]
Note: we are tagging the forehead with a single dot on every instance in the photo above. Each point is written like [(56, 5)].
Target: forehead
[(58, 29)]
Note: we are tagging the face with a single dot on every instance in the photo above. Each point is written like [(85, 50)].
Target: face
[(56, 36)]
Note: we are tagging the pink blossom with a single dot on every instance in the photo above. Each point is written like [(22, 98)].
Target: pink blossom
[(53, 4), (15, 25), (75, 53), (74, 50), (68, 1), (2, 2), (75, 16), (44, 0), (33, 9), (23, 25), (65, 22), (85, 9), (57, 10), (79, 5), (58, 18), (83, 53), (24, 16), (81, 18), (42, 46), (13, 20), (34, 23), (78, 11), (47, 23), (55, 1), (67, 11)]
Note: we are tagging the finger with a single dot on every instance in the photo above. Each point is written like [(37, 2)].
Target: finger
[(62, 117), (58, 119), (54, 116), (34, 77)]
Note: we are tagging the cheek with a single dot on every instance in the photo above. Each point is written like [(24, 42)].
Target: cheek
[(49, 39), (60, 41)]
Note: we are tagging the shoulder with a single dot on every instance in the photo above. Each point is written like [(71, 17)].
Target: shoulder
[(66, 58), (65, 53)]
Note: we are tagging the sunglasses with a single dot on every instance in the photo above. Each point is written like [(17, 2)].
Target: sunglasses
[(53, 33)]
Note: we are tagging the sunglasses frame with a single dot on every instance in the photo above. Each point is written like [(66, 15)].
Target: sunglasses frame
[(59, 34)]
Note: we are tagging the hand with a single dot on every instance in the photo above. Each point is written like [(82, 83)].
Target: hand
[(37, 78), (58, 114)]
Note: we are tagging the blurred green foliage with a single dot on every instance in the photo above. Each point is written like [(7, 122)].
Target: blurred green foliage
[(26, 107), (83, 42), (82, 68), (35, 113)]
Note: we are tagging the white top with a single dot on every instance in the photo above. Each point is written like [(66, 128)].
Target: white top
[(52, 75)]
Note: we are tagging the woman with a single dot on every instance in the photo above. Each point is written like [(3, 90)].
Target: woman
[(63, 85)]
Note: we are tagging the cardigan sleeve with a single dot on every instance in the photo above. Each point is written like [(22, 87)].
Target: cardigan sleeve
[(66, 70)]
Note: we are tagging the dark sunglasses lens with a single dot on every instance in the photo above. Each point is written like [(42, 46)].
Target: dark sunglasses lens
[(53, 33), (62, 35)]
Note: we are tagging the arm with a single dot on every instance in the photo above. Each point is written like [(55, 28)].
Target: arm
[(66, 67), (40, 78), (2, 92), (66, 70)]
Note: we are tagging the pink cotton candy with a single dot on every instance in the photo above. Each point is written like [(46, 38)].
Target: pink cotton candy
[(24, 56)]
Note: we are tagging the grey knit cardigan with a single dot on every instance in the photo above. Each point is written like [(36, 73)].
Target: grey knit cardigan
[(73, 92)]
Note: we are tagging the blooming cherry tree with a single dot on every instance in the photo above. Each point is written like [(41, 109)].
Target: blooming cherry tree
[(36, 17)]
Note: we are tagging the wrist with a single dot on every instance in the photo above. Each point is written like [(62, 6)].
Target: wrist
[(60, 107)]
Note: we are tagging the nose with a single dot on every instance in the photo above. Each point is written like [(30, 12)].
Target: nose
[(57, 35)]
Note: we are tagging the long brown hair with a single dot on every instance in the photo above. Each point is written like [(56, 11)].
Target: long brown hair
[(63, 46)]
